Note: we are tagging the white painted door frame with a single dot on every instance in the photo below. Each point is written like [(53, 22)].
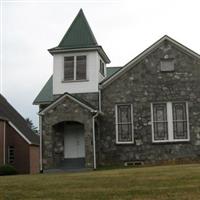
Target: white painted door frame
[(74, 142)]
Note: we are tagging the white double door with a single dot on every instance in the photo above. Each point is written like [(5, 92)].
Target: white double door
[(74, 143)]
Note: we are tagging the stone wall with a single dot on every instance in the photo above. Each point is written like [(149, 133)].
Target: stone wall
[(52, 124), (142, 85), (91, 98)]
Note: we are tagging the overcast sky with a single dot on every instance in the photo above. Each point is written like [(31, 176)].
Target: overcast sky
[(123, 28)]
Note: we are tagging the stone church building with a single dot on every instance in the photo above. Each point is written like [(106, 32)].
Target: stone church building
[(147, 111)]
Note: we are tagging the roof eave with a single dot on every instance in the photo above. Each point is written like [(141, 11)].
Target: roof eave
[(100, 50), (104, 55), (42, 112), (144, 53), (41, 102)]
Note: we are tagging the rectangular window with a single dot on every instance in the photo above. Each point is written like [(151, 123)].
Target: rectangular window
[(80, 67), (75, 68), (170, 122), (11, 154), (160, 122), (102, 71), (124, 123), (69, 68), (179, 120)]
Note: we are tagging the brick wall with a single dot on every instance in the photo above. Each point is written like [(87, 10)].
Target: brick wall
[(34, 159), (21, 162), (2, 123)]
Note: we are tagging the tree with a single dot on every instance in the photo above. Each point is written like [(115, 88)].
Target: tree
[(31, 125)]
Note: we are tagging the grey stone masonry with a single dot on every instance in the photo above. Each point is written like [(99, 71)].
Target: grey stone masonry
[(66, 110), (142, 85), (91, 98)]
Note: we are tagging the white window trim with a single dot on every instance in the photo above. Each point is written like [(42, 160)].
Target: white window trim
[(116, 124), (170, 123), (75, 68)]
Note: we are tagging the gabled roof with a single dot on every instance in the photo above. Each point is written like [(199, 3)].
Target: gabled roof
[(9, 114), (138, 58), (79, 38), (73, 98), (46, 94)]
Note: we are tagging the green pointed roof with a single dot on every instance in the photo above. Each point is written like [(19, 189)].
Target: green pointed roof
[(79, 34), (46, 94), (79, 37)]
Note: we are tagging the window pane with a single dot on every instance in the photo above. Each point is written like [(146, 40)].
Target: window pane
[(180, 121), (69, 68), (81, 68), (180, 130), (179, 111), (160, 131), (102, 68), (124, 113), (125, 132), (160, 121), (124, 123), (160, 112)]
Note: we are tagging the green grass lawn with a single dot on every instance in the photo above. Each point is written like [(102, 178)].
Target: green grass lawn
[(150, 183)]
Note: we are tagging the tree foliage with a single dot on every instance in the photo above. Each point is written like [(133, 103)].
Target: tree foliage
[(31, 125)]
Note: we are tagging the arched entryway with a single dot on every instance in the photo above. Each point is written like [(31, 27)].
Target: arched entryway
[(72, 152)]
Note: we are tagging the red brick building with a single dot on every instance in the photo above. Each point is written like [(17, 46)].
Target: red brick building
[(19, 145)]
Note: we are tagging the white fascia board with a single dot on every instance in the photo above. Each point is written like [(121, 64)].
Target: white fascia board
[(19, 132), (60, 99), (71, 50), (99, 49), (145, 53)]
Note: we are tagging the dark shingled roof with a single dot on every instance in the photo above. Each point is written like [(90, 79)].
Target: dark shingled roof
[(8, 113)]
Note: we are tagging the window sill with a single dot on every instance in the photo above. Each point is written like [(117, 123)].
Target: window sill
[(72, 81), (171, 141), (124, 143)]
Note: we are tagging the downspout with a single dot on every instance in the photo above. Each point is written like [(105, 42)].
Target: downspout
[(4, 143), (40, 130), (99, 99), (94, 140)]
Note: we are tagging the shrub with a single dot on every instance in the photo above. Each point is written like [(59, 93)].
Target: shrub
[(7, 170)]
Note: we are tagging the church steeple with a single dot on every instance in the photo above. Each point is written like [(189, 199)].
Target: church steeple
[(79, 34), (79, 37), (79, 63)]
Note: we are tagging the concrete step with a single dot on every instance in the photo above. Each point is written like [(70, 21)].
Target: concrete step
[(72, 163)]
